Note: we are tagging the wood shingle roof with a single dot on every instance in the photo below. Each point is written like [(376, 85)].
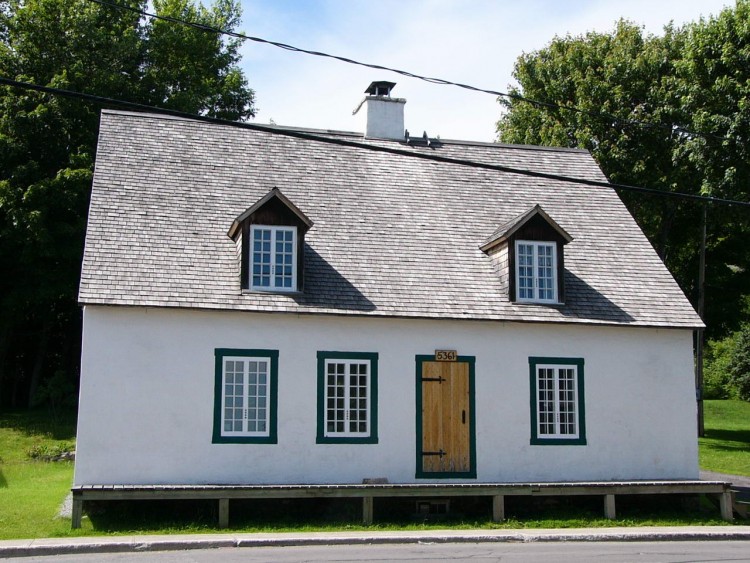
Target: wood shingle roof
[(391, 236)]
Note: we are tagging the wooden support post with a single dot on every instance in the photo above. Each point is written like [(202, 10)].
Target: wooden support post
[(77, 511), (609, 507), (699, 332), (725, 502), (223, 513), (367, 510), (498, 508)]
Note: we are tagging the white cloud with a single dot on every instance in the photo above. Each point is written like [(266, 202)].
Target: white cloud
[(471, 42)]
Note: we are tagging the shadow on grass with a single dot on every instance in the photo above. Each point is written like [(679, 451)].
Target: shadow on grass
[(189, 516), (3, 481), (736, 439), (38, 422)]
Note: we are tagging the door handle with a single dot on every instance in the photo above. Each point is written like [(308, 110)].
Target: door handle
[(463, 417)]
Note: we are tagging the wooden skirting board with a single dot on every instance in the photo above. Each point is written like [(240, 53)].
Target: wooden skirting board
[(367, 492)]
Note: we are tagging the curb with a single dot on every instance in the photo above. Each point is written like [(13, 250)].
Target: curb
[(48, 547)]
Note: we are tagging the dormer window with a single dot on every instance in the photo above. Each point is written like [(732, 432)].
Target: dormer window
[(536, 271), (273, 258), (270, 237), (527, 252)]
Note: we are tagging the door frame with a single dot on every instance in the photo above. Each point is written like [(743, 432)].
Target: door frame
[(472, 473)]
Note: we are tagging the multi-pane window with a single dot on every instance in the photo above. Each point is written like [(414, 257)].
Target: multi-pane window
[(557, 400), (246, 395), (273, 258), (347, 398), (536, 271), (347, 402)]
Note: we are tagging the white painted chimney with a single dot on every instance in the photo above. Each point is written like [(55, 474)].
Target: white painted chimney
[(385, 115)]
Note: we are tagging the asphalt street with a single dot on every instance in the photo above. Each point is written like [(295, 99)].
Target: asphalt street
[(567, 552)]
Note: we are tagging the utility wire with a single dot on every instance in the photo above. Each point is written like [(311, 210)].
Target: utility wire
[(613, 119), (354, 144)]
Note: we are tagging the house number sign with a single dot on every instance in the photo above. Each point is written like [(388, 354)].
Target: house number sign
[(445, 356)]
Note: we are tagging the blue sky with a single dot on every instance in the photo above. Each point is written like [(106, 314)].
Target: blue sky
[(470, 41)]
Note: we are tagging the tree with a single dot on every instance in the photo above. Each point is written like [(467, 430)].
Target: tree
[(739, 364), (47, 148), (640, 100)]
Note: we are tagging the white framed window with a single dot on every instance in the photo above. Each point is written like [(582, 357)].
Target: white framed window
[(347, 397), (536, 271), (557, 409), (273, 258), (245, 401)]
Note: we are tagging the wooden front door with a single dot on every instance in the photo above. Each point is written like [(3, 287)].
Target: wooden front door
[(445, 419)]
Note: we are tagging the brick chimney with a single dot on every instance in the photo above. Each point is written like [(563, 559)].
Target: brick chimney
[(385, 115)]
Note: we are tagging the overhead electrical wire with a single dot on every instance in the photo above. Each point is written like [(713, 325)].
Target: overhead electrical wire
[(612, 119), (354, 144)]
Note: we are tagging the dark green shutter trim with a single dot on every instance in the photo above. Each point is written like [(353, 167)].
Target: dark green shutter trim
[(273, 399), (321, 438), (535, 440)]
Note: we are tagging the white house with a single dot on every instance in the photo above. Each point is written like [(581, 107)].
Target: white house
[(290, 307)]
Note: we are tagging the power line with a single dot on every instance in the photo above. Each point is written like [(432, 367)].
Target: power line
[(613, 119), (354, 144)]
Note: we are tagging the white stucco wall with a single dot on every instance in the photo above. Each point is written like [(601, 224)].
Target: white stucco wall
[(385, 118), (147, 399)]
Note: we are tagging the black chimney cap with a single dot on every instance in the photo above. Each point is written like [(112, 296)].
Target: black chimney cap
[(380, 88)]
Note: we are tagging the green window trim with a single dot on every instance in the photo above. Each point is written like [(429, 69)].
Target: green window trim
[(273, 356), (472, 473), (372, 437), (536, 440)]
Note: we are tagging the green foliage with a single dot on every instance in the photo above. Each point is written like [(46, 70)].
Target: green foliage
[(726, 369), (739, 365), (48, 144), (58, 393), (690, 79), (717, 382), (45, 451)]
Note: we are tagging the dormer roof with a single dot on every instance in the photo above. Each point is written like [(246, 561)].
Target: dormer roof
[(275, 193), (507, 229)]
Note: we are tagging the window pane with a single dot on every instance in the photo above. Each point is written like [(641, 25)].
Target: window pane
[(557, 405), (234, 374), (535, 270), (245, 400), (349, 389), (263, 258)]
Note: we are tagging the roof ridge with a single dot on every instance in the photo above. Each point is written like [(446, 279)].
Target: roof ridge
[(354, 134)]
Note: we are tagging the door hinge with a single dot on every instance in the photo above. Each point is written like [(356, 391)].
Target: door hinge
[(441, 453), (438, 379)]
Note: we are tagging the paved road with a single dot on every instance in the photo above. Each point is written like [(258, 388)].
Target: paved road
[(568, 552)]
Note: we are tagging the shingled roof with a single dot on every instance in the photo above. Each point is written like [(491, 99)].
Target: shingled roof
[(392, 235)]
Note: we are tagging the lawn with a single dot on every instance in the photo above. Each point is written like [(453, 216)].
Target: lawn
[(32, 491), (726, 445)]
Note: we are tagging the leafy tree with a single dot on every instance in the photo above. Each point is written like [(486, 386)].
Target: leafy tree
[(642, 98), (739, 365), (48, 143), (717, 382)]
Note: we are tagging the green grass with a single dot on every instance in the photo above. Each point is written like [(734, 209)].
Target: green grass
[(31, 492), (726, 445)]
